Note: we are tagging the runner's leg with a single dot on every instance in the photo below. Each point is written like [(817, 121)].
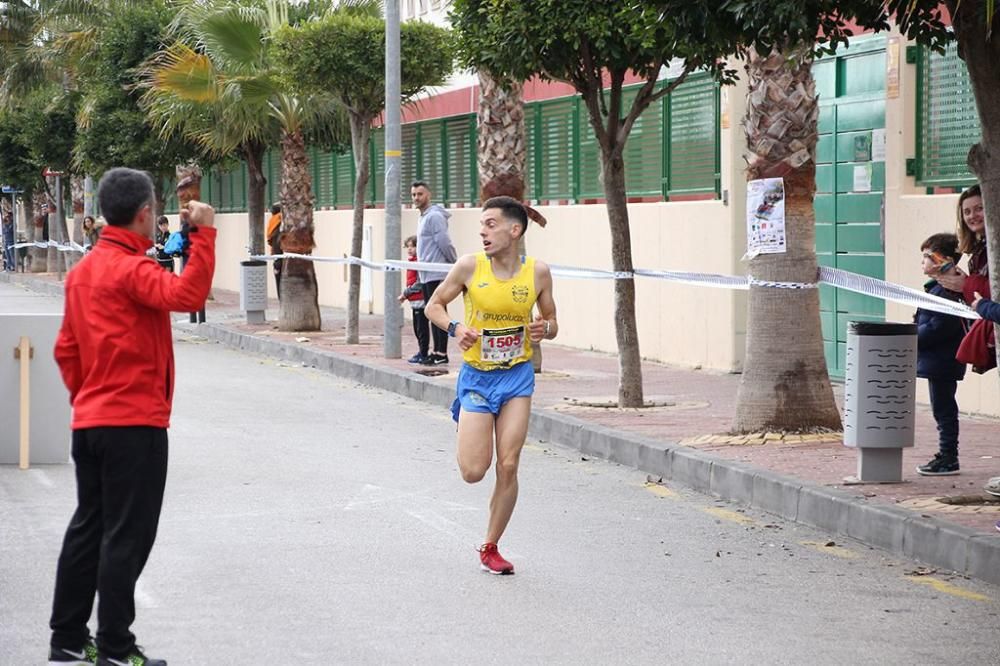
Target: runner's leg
[(511, 431), (475, 444)]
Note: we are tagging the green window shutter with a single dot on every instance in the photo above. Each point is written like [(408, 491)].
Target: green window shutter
[(460, 155), (532, 151), (431, 163), (590, 159), (275, 176), (344, 178), (322, 169), (947, 122), (557, 140), (692, 157), (644, 149), (408, 161), (170, 204), (378, 164)]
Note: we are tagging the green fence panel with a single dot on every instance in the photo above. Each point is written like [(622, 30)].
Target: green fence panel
[(376, 181), (460, 160), (644, 149), (947, 122), (557, 138), (321, 167), (692, 154), (408, 162)]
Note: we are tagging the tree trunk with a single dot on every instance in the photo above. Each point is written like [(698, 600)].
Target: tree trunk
[(253, 153), (299, 303), (981, 54), (38, 258), (360, 132), (626, 331), (76, 199), (502, 151), (785, 385)]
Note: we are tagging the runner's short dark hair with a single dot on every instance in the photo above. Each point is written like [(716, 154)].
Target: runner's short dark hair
[(420, 183), (511, 209), (122, 193)]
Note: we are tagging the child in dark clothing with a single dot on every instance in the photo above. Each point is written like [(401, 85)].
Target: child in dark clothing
[(414, 293), (938, 338)]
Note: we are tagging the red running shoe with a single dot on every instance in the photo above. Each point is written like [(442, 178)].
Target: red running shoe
[(491, 560)]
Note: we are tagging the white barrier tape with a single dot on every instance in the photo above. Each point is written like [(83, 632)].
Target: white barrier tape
[(754, 282), (699, 279), (44, 245), (888, 291), (861, 284)]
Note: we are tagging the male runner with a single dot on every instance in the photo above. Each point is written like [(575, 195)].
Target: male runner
[(496, 380)]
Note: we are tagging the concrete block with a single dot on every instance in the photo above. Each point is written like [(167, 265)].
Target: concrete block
[(49, 434), (655, 458), (825, 508), (984, 558), (776, 494), (732, 480), (691, 468), (936, 542), (878, 525)]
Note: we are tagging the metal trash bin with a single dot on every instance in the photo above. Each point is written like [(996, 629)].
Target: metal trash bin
[(253, 290), (880, 397)]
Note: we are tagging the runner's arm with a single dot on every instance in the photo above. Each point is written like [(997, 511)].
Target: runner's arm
[(449, 290), (546, 304)]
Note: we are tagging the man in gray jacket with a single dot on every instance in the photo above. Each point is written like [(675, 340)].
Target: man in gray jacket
[(433, 246)]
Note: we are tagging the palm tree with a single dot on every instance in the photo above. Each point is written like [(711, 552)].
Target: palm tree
[(785, 384), (217, 85), (502, 150)]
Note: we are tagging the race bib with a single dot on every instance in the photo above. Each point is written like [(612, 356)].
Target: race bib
[(502, 344)]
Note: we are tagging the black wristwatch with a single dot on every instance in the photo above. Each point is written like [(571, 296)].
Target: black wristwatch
[(451, 328)]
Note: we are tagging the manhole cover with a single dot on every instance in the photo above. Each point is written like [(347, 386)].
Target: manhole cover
[(432, 372)]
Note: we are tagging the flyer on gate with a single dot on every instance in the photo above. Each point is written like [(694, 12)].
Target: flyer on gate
[(765, 217)]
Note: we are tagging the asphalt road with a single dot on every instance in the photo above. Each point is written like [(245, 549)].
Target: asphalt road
[(312, 521)]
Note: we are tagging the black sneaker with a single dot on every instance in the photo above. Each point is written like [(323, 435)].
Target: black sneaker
[(940, 465), (85, 656), (435, 359), (134, 658), (416, 358)]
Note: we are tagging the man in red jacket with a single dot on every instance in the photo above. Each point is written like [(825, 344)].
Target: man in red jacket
[(115, 353)]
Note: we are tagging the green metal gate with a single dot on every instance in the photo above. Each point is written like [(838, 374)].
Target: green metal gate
[(850, 184)]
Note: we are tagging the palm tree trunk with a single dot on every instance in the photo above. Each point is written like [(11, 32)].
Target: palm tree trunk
[(502, 150), (785, 385), (253, 153), (630, 392), (299, 303), (360, 132)]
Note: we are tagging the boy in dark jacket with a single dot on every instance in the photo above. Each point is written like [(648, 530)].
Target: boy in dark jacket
[(938, 338)]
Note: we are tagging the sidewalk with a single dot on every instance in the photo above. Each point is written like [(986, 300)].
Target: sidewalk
[(687, 435)]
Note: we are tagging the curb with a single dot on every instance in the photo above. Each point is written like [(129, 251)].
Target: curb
[(899, 531)]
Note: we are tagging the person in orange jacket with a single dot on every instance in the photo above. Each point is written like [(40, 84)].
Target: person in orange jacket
[(115, 353)]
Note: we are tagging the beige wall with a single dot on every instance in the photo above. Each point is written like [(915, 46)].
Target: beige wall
[(679, 324)]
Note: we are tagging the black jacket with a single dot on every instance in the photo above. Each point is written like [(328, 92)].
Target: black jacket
[(938, 338)]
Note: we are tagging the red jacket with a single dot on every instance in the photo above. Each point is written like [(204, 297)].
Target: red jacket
[(114, 349)]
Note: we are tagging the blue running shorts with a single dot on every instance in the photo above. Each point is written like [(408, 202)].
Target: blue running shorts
[(486, 391)]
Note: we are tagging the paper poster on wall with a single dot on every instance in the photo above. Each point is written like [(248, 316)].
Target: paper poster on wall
[(765, 217), (862, 178), (878, 145)]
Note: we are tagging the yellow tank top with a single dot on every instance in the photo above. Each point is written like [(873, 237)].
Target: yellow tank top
[(501, 311)]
